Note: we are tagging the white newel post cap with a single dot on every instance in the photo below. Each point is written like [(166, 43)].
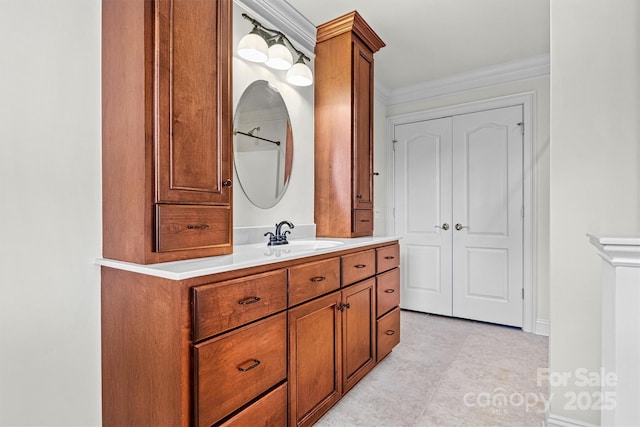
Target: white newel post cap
[(618, 250)]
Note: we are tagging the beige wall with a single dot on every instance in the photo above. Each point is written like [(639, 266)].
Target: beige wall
[(539, 85), (595, 186), (297, 203), (50, 222)]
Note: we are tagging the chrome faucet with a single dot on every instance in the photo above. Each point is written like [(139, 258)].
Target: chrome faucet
[(280, 238)]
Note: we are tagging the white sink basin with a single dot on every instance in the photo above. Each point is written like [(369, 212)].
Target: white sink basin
[(315, 244), (303, 245)]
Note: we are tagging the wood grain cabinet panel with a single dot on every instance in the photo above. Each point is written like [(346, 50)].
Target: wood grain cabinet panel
[(219, 307), (234, 368), (387, 257), (269, 411), (181, 227), (344, 75), (193, 152), (315, 361), (358, 266), (311, 280), (358, 332), (387, 291), (388, 331)]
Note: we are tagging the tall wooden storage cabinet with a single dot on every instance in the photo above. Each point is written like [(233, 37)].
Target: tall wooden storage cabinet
[(344, 127), (166, 143)]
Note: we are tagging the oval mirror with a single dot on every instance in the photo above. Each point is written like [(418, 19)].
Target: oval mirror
[(263, 144)]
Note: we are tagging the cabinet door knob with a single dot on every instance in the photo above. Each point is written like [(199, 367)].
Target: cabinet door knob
[(359, 196), (227, 183)]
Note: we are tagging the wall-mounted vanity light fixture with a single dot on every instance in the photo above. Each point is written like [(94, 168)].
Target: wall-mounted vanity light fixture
[(267, 46)]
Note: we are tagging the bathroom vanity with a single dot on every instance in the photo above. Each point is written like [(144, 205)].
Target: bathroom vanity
[(269, 336), (197, 331)]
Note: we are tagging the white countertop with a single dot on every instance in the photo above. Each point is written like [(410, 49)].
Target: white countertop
[(244, 256)]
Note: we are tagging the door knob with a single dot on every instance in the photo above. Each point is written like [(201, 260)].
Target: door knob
[(444, 226), (460, 226)]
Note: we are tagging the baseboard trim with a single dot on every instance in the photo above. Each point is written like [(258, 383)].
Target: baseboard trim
[(560, 421), (542, 327)]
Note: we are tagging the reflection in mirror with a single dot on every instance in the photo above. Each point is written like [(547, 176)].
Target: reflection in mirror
[(263, 144)]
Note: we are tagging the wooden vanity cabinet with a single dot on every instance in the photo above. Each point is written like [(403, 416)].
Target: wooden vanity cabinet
[(274, 345), (166, 135), (344, 70)]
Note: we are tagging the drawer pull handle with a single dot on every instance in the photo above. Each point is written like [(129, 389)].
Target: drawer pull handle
[(360, 265), (390, 332), (364, 220), (227, 183), (245, 368), (250, 300), (318, 279), (197, 226), (389, 291), (389, 257)]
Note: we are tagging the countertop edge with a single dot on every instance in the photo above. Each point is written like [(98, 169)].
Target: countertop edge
[(180, 270)]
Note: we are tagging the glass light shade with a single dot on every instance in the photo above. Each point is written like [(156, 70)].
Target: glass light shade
[(280, 57), (300, 74), (254, 48)]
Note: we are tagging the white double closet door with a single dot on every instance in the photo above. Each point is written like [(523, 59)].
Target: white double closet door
[(459, 213)]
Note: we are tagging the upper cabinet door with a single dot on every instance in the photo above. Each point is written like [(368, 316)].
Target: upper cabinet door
[(362, 127), (192, 102)]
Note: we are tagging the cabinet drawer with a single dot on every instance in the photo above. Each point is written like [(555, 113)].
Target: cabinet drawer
[(388, 332), (222, 306), (363, 222), (358, 266), (269, 411), (387, 258), (387, 291), (314, 279), (233, 369), (189, 227)]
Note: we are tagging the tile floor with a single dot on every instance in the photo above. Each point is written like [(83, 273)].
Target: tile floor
[(451, 372)]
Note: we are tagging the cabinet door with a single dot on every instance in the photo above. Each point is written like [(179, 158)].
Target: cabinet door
[(358, 332), (192, 108), (314, 359), (362, 127)]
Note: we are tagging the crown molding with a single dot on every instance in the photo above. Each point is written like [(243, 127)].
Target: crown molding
[(539, 65), (281, 15)]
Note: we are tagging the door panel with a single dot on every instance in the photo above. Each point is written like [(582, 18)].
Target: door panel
[(363, 112), (487, 202), (464, 170), (423, 205), (191, 130)]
